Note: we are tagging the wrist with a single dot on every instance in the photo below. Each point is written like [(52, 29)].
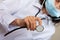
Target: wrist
[(18, 22)]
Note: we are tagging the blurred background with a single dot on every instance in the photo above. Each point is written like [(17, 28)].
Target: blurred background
[(56, 36)]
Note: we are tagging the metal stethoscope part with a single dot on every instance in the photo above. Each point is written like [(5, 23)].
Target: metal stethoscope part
[(39, 28)]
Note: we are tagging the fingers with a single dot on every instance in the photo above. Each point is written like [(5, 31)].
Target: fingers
[(39, 20), (27, 23), (30, 21), (33, 23)]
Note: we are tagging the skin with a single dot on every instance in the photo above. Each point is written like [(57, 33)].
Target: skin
[(57, 4), (30, 21)]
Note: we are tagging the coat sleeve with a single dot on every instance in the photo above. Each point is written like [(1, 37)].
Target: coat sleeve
[(5, 16)]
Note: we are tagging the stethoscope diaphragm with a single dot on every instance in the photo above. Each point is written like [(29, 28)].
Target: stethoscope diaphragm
[(39, 28)]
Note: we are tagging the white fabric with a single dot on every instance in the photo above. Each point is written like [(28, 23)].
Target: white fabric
[(12, 9)]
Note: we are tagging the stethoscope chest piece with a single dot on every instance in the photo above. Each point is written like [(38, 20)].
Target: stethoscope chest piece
[(39, 28)]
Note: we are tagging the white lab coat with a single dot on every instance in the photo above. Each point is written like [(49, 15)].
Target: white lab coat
[(12, 9)]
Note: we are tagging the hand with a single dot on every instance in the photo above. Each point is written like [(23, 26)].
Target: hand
[(31, 22)]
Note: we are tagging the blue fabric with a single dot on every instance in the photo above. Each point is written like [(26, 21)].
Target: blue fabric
[(52, 10)]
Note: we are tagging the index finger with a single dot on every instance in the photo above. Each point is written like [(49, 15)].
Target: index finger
[(39, 20)]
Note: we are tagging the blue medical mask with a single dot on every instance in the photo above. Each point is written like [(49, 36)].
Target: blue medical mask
[(51, 9)]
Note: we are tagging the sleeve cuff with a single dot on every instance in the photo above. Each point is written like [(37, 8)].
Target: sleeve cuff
[(8, 18)]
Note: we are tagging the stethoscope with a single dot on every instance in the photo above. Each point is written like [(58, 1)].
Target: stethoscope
[(38, 28)]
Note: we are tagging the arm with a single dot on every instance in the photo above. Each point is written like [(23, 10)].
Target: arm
[(18, 22)]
